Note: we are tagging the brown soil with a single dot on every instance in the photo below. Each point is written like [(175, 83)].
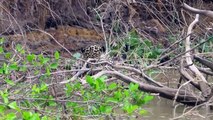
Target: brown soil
[(72, 38)]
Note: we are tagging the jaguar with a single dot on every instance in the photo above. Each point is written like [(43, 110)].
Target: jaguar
[(92, 51)]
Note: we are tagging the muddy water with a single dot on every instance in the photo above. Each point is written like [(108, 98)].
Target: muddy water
[(163, 109)]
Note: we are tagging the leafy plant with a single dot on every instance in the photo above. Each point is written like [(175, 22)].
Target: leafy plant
[(136, 48), (32, 98)]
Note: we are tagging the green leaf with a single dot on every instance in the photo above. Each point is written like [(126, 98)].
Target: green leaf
[(2, 108), (100, 84), (4, 96), (95, 110), (46, 60), (133, 87), (31, 57), (54, 66), (57, 55), (35, 89), (126, 93), (48, 71), (97, 85), (77, 55), (77, 86), (69, 89), (143, 112), (102, 108), (36, 72), (52, 103), (43, 87), (13, 66), (105, 109), (112, 86), (1, 40), (22, 51), (44, 118), (23, 68), (35, 116), (5, 69), (147, 98), (26, 115), (10, 82), (1, 50), (1, 71), (108, 109), (14, 106), (18, 47), (118, 95), (10, 116), (90, 80), (129, 108), (148, 43), (8, 55), (103, 78), (71, 104), (43, 60)]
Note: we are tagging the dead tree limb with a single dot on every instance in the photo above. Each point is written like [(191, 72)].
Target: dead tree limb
[(181, 96), (205, 88), (205, 62), (198, 11)]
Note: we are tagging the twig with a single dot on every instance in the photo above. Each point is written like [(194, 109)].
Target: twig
[(179, 55)]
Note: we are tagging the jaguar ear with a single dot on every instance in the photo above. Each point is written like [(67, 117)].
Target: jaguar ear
[(103, 49), (127, 47), (82, 50)]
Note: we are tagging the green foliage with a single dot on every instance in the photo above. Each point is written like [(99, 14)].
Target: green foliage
[(57, 55), (34, 95), (136, 48), (207, 46), (77, 55), (132, 97)]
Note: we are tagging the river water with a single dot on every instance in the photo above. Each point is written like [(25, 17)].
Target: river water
[(163, 109)]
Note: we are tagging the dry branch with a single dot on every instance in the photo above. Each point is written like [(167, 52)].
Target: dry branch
[(188, 56), (198, 11), (204, 62), (205, 88), (181, 96)]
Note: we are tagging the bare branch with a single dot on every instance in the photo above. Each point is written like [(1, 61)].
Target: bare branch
[(198, 11)]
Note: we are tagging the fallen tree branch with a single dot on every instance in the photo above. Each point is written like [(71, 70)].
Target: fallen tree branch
[(204, 62), (132, 69), (183, 96), (205, 71), (189, 78), (198, 11), (206, 90)]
